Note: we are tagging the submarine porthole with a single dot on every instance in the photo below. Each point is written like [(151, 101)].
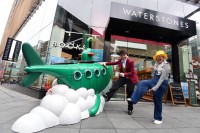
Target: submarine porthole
[(96, 72), (88, 74), (77, 75), (103, 71)]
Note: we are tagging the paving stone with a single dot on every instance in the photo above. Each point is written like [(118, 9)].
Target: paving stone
[(114, 118)]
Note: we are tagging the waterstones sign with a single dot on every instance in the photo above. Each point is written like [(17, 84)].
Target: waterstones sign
[(151, 17)]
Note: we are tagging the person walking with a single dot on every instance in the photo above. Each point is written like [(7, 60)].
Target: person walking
[(158, 84), (127, 75)]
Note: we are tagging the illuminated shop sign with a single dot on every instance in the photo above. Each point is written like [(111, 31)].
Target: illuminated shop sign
[(70, 45), (155, 18), (151, 17)]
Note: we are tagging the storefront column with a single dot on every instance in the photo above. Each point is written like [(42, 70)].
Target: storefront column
[(106, 51), (106, 48), (175, 63)]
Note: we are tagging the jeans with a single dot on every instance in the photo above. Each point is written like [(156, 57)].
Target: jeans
[(142, 89)]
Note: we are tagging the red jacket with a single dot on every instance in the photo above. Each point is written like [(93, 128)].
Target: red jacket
[(130, 70)]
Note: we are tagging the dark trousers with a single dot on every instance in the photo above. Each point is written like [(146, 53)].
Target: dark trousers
[(143, 87), (157, 97), (129, 89)]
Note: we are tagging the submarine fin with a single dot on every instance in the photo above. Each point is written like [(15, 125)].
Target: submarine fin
[(31, 56), (32, 59), (93, 110), (29, 79)]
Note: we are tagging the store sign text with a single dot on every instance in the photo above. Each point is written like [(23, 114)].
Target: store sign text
[(70, 45), (157, 18), (151, 17)]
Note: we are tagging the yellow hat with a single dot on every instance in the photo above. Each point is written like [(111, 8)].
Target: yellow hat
[(160, 52)]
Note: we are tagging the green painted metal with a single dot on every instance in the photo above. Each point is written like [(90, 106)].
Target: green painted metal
[(93, 110), (88, 75), (66, 73), (84, 55), (30, 78), (31, 56), (32, 59)]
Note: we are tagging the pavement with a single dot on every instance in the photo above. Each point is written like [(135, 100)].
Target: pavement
[(114, 118)]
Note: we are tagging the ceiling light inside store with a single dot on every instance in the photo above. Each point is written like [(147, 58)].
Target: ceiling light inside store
[(127, 31), (167, 46), (115, 55), (131, 45)]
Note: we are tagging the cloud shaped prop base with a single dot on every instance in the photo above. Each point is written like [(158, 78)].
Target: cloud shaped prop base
[(61, 105)]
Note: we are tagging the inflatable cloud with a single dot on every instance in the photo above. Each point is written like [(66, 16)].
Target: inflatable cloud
[(61, 105)]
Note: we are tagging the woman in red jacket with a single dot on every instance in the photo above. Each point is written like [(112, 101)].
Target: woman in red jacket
[(127, 75)]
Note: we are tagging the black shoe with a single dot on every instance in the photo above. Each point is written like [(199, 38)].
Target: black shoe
[(105, 97), (130, 112)]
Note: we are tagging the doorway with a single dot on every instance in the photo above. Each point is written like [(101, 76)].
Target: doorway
[(141, 52)]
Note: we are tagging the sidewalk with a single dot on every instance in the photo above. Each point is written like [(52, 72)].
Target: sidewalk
[(114, 119)]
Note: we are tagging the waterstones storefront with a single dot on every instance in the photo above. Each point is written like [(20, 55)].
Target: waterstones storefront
[(138, 26)]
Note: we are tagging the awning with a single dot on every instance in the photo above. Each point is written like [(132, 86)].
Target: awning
[(146, 24)]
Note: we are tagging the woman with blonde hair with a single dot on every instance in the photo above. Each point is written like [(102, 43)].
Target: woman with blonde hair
[(158, 84)]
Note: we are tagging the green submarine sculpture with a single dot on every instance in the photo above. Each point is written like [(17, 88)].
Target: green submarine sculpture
[(85, 73)]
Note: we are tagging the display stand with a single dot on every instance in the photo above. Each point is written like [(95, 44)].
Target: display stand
[(193, 86), (192, 94), (175, 94), (192, 77)]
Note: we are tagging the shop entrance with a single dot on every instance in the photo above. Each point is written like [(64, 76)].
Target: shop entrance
[(145, 24), (141, 52), (134, 28)]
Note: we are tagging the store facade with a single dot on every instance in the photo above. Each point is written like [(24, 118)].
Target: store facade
[(140, 27)]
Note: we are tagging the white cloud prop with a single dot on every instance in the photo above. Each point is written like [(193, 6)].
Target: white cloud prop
[(54, 103), (90, 101), (84, 108), (54, 82), (49, 92), (101, 105), (29, 123), (82, 104), (95, 97), (60, 89), (71, 114), (85, 114), (83, 92), (49, 118), (72, 95), (91, 92), (61, 105)]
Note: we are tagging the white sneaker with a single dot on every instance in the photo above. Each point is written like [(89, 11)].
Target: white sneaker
[(129, 99), (157, 122)]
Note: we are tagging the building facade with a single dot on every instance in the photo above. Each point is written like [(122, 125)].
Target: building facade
[(55, 29)]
